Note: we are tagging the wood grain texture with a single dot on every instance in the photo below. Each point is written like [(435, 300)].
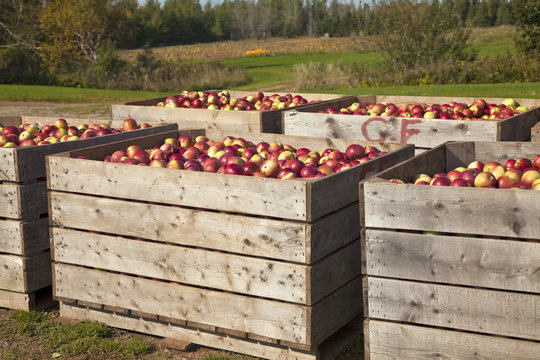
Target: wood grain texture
[(426, 133), (276, 239), (24, 238), (471, 309), (259, 316), (387, 341), (489, 263), (505, 212), (25, 274), (535, 133), (214, 340), (15, 300), (246, 275)]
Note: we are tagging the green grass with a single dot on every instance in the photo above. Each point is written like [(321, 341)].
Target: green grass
[(67, 340), (38, 93), (268, 71)]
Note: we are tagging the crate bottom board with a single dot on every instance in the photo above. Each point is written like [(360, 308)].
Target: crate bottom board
[(391, 340), (327, 350), (36, 300)]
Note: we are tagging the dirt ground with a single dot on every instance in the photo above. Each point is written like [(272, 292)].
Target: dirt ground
[(84, 111)]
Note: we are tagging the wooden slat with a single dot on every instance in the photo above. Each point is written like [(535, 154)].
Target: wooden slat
[(292, 241), (24, 238), (490, 151), (335, 311), (471, 309), (25, 274), (388, 341), (259, 196), (187, 334), (420, 132), (442, 100), (258, 316), (504, 212), (535, 133), (38, 271), (15, 300), (518, 127), (246, 275), (490, 263), (8, 170)]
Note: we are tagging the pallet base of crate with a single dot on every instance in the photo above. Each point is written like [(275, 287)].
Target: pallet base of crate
[(36, 300), (214, 339), (392, 340)]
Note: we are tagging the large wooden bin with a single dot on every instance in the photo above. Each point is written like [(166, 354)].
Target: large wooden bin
[(268, 121), (260, 266), (25, 261), (451, 272), (423, 133)]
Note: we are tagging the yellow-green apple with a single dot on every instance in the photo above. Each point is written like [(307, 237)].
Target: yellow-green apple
[(513, 174), (497, 171), (489, 165), (421, 177), (286, 155), (185, 141), (270, 168), (257, 158), (530, 176), (61, 124), (156, 163), (485, 179), (132, 150), (174, 164), (10, 144)]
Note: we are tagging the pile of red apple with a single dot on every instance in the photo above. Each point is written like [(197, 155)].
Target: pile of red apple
[(237, 156), (478, 110), (60, 131), (513, 174), (222, 100)]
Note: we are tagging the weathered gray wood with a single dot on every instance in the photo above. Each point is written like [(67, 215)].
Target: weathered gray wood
[(489, 151), (268, 318), (187, 334), (535, 133), (426, 133), (277, 239), (388, 341), (247, 275), (25, 274), (15, 300), (518, 127), (24, 238), (504, 212), (472, 309), (490, 263), (259, 196)]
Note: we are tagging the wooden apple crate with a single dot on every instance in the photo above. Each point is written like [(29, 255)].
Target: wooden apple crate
[(25, 260), (470, 286), (423, 133), (268, 121), (260, 266)]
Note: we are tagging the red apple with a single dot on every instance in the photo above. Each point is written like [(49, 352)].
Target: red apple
[(440, 181), (505, 182), (287, 174), (309, 171), (536, 161), (460, 183), (453, 175), (529, 176), (270, 168), (117, 155), (522, 163)]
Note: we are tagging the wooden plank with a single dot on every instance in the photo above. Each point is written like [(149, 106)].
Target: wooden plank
[(535, 133), (12, 274), (38, 272), (226, 232), (471, 309), (335, 311), (246, 275), (10, 194), (389, 340), (259, 316), (15, 300), (33, 200), (518, 127), (420, 132), (259, 196), (8, 170), (505, 212), (340, 189), (24, 238), (489, 263), (187, 334), (501, 151)]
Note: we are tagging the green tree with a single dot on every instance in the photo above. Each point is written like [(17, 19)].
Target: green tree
[(526, 16)]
